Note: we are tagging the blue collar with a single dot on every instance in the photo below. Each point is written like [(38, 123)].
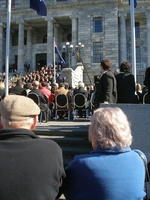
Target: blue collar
[(113, 150)]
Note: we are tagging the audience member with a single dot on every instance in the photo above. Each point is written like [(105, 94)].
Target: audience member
[(139, 92), (62, 90), (31, 167), (126, 85), (18, 89), (43, 101), (112, 170), (47, 92), (28, 87), (106, 89), (80, 90)]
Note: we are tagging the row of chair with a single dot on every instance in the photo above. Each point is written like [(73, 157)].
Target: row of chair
[(62, 104), (79, 102)]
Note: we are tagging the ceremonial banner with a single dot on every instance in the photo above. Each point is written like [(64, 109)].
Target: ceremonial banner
[(60, 57), (135, 3), (39, 6)]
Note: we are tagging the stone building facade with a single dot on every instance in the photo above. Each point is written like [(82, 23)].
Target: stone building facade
[(103, 26)]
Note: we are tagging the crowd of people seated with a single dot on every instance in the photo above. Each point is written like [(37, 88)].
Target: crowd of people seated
[(42, 83), (92, 176)]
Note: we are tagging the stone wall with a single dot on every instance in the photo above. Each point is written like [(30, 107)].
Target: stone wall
[(139, 117)]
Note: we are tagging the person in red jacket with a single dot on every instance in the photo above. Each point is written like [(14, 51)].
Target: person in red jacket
[(47, 92)]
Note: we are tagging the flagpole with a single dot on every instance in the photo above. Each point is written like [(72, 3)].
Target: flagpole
[(7, 46), (54, 60), (133, 44)]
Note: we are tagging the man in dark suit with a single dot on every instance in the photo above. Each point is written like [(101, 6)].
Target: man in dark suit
[(18, 89), (126, 84), (81, 90), (43, 100), (106, 91)]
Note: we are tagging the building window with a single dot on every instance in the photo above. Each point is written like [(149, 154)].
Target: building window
[(12, 3), (97, 52), (138, 54), (97, 25), (137, 29), (45, 39)]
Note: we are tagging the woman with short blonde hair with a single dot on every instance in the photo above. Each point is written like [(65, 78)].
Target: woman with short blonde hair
[(110, 128), (112, 171)]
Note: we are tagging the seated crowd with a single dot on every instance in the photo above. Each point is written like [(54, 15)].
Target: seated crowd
[(32, 167), (42, 83)]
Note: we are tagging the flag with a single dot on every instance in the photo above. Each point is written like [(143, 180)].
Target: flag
[(135, 3), (63, 63), (39, 6)]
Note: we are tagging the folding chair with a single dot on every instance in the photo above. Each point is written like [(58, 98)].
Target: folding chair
[(61, 104), (36, 99), (80, 102)]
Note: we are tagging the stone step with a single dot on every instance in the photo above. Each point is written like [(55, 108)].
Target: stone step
[(71, 142), (71, 136), (71, 146), (71, 133), (76, 141)]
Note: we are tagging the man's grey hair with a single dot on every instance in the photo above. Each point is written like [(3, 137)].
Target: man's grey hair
[(16, 124), (81, 84)]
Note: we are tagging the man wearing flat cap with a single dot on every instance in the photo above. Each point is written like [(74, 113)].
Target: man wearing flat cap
[(30, 167)]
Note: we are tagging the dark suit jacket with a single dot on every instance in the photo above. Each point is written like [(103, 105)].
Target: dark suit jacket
[(43, 102), (126, 88), (106, 89), (18, 90), (82, 91)]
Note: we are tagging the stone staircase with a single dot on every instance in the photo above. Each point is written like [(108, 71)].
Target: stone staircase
[(72, 141)]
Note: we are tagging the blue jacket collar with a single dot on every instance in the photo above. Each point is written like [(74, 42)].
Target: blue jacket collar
[(113, 150)]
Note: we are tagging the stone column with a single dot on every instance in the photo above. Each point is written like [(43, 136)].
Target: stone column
[(148, 39), (74, 37), (123, 42), (21, 45), (56, 30), (50, 53), (29, 47), (1, 47)]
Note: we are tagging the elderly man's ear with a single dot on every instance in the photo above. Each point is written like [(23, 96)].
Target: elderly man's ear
[(35, 121)]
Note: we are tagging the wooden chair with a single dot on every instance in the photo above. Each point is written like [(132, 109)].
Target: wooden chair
[(80, 102), (62, 104)]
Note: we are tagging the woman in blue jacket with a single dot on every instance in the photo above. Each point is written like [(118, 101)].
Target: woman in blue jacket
[(112, 171)]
